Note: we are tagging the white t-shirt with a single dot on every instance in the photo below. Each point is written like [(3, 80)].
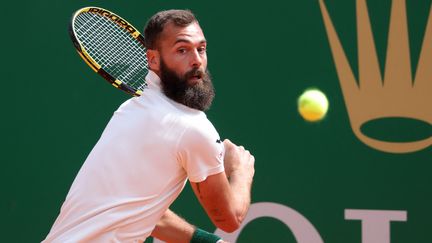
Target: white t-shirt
[(148, 150)]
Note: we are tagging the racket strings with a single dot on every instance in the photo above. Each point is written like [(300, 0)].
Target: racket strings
[(113, 47)]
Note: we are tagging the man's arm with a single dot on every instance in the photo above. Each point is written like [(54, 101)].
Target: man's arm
[(226, 196), (172, 228)]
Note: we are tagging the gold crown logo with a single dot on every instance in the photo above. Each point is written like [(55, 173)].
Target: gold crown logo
[(395, 96)]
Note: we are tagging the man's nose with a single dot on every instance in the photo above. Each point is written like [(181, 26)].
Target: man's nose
[(196, 59)]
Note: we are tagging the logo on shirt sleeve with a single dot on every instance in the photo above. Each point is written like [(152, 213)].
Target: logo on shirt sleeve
[(221, 155)]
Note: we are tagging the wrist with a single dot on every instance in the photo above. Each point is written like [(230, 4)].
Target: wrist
[(202, 236), (241, 176)]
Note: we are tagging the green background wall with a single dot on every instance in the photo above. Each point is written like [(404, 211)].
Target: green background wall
[(262, 55)]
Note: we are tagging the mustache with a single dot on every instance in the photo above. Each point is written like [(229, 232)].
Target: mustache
[(195, 72)]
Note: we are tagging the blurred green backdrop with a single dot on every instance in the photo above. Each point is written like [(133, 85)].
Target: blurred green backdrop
[(262, 55)]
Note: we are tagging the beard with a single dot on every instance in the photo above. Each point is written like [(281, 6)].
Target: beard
[(197, 96)]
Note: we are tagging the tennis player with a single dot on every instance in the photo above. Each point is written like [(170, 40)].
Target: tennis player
[(152, 146)]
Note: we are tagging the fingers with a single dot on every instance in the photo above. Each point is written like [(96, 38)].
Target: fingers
[(228, 143), (230, 146)]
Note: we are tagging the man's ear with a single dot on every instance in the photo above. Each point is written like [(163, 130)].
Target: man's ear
[(153, 58)]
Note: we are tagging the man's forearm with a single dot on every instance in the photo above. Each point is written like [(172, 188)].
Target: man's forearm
[(172, 228)]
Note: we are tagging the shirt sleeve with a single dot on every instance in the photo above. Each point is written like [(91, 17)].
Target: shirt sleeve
[(201, 152)]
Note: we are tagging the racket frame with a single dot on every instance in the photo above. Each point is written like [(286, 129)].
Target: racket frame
[(90, 61)]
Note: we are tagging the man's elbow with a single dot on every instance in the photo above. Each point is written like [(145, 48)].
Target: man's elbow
[(230, 225), (229, 228)]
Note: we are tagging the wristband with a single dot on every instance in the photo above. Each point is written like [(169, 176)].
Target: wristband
[(202, 236)]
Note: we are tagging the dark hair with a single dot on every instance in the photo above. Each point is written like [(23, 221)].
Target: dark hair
[(156, 24)]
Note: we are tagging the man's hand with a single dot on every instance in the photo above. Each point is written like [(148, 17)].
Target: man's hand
[(238, 160)]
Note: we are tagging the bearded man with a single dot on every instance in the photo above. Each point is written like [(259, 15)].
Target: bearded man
[(153, 145)]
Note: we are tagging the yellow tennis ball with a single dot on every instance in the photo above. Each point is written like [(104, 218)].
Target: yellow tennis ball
[(312, 105)]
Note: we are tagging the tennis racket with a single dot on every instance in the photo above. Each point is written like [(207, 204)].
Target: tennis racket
[(112, 47)]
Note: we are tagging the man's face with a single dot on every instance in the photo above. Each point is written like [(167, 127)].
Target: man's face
[(183, 49), (183, 66)]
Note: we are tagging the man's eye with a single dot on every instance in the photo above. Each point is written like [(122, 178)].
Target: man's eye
[(202, 49), (181, 50)]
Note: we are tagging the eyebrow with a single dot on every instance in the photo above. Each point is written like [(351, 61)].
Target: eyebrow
[(180, 40)]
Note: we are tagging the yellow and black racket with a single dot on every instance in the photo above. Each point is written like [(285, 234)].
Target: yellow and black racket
[(112, 47)]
